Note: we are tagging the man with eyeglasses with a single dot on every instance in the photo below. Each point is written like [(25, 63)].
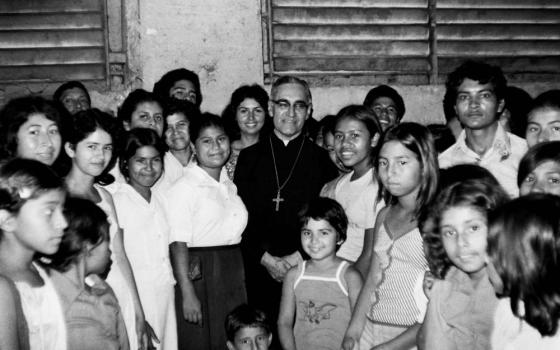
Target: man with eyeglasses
[(275, 178)]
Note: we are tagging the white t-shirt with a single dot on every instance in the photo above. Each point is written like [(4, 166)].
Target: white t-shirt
[(359, 200), (204, 212)]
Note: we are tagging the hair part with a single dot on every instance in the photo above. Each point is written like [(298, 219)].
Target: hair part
[(524, 247), (538, 154), (87, 224), (245, 316), (418, 139)]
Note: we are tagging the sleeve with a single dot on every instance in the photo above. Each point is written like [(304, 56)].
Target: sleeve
[(179, 212), (436, 329)]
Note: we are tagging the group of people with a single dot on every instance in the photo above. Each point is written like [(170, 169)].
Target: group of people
[(168, 228)]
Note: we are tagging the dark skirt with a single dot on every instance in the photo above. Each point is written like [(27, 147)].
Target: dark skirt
[(221, 288)]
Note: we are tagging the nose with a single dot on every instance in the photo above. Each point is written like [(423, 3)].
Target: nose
[(251, 115), (474, 101), (61, 222), (537, 187), (46, 139), (463, 240), (543, 136)]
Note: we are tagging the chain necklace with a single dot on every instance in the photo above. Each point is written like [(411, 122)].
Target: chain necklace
[(278, 199)]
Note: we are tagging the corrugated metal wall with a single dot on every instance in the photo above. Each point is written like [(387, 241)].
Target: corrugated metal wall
[(52, 41), (365, 41)]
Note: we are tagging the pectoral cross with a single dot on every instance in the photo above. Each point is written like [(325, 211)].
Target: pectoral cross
[(277, 200)]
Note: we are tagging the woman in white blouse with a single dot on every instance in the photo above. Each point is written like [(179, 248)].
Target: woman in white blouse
[(207, 216)]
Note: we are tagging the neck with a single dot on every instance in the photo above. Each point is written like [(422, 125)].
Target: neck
[(182, 155), (361, 169), (477, 277), (213, 172), (325, 263), (247, 140), (481, 140), (407, 203), (14, 258), (77, 273), (80, 184), (285, 138), (145, 192)]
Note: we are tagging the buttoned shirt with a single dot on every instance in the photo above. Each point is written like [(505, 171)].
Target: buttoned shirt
[(501, 159)]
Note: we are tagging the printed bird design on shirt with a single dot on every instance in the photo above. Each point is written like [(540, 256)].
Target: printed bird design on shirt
[(315, 313)]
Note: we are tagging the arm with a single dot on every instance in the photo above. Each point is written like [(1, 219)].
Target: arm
[(287, 312), (354, 284), (9, 337), (405, 340), (362, 264), (179, 252)]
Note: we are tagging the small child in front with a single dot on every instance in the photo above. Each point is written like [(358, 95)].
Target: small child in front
[(462, 300), (247, 328), (322, 291)]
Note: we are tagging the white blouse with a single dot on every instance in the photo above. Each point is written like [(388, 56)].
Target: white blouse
[(204, 212)]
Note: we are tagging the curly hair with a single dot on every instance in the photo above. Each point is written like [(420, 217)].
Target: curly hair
[(480, 194), (524, 248)]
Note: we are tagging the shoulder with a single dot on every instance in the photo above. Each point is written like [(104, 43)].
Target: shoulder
[(445, 159), (292, 274), (518, 145), (352, 276)]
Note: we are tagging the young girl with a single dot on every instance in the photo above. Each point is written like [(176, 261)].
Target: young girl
[(407, 168), (30, 128), (32, 222), (322, 291), (146, 233), (92, 313), (90, 147), (543, 120), (356, 134), (462, 301), (205, 213), (539, 169), (142, 109), (524, 251)]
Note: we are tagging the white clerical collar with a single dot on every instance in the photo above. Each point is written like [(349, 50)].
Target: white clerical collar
[(285, 139)]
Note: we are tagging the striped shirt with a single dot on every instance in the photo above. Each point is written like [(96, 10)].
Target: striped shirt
[(402, 263)]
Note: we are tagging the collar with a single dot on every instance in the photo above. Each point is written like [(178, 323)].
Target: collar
[(68, 292), (501, 144), (286, 140), (202, 176), (277, 141)]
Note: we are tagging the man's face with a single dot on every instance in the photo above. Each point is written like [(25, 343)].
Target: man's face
[(477, 105), (289, 108)]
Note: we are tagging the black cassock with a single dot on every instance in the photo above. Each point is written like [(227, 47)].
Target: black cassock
[(276, 231)]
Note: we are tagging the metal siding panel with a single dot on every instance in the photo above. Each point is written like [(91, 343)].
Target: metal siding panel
[(350, 32), (501, 4), (52, 73), (49, 39), (350, 48), (505, 48), (417, 65), (497, 32), (350, 3), (41, 6), (349, 16), (51, 21), (501, 16), (28, 57), (510, 64)]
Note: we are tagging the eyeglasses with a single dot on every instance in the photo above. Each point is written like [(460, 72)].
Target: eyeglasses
[(284, 106), (390, 110)]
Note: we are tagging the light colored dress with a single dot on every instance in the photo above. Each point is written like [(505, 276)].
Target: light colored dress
[(43, 313), (146, 241), (322, 309), (115, 278)]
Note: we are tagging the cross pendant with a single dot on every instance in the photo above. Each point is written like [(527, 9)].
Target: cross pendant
[(277, 200)]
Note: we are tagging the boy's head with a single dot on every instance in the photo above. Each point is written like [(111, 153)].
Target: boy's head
[(322, 208), (478, 92), (247, 328)]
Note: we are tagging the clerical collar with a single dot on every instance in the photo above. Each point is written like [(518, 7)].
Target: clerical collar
[(285, 139)]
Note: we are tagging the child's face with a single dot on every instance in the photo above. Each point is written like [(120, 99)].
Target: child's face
[(353, 144), (250, 338), (39, 139), (177, 132), (328, 144), (464, 232), (39, 225), (92, 155), (399, 169), (144, 168), (212, 148), (319, 239), (385, 109), (98, 257), (543, 124), (544, 179)]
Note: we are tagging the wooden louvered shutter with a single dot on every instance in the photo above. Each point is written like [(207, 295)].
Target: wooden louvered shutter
[(521, 36), (51, 41), (350, 41)]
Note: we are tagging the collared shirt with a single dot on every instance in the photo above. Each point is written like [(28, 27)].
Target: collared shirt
[(146, 236), (93, 316), (501, 159), (172, 171), (459, 316), (204, 212)]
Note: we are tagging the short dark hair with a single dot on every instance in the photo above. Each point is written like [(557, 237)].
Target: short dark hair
[(70, 85), (538, 154), (186, 108), (323, 208), (524, 247), (206, 120), (327, 124), (477, 71), (480, 194), (245, 316), (132, 101), (16, 113), (548, 99), (463, 172), (135, 139), (290, 79), (87, 223), (386, 91), (243, 92), (162, 86), (367, 117)]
